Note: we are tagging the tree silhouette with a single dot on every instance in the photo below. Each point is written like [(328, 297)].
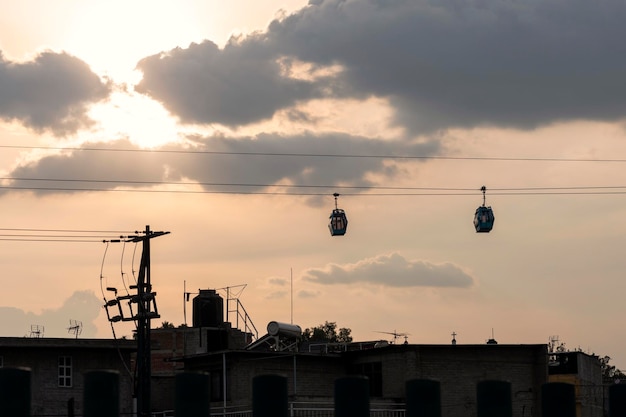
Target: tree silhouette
[(328, 332)]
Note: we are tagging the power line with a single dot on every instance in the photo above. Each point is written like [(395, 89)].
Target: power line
[(327, 186), (50, 240), (53, 235), (366, 187), (67, 230), (315, 155), (49, 236), (165, 191), (289, 190), (226, 184)]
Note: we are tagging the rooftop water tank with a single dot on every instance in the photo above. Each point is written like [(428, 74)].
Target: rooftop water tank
[(208, 309)]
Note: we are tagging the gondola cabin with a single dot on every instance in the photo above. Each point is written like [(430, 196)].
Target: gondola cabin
[(483, 219), (338, 222)]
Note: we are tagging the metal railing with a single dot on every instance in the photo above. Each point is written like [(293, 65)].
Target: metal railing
[(302, 409), (241, 314)]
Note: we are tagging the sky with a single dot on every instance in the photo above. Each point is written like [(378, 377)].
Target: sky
[(231, 124)]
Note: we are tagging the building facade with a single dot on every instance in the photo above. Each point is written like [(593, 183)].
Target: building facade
[(585, 373), (311, 376), (57, 368)]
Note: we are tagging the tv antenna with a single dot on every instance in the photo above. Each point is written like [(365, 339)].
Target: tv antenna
[(36, 331), (76, 327), (396, 335)]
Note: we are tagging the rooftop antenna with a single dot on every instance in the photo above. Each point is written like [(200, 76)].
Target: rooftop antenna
[(76, 327), (554, 343), (492, 341), (233, 296), (36, 331), (396, 335)]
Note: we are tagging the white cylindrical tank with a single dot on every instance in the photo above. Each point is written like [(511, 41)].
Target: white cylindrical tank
[(275, 328)]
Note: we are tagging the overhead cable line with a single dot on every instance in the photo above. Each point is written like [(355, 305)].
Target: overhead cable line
[(290, 190), (443, 192), (51, 236), (227, 184), (67, 235), (317, 155), (50, 240), (323, 186), (67, 230)]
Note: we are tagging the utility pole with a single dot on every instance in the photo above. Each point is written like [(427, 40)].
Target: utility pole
[(145, 313)]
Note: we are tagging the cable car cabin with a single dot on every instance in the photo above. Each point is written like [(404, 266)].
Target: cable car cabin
[(338, 223), (483, 219)]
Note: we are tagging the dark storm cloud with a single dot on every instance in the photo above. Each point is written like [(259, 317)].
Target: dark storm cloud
[(393, 271), (220, 164), (51, 92), (440, 63)]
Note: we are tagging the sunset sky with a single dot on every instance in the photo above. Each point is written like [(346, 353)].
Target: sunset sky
[(231, 124)]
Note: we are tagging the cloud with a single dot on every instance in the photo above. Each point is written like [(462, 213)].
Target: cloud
[(82, 306), (276, 295), (233, 86), (82, 169), (277, 281), (308, 294), (440, 64), (392, 271), (307, 170), (52, 92), (229, 169)]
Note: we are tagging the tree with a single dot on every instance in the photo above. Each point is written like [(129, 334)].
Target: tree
[(609, 372), (166, 325), (328, 332)]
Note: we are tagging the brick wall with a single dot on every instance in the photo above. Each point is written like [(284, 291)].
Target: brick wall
[(41, 356), (458, 369)]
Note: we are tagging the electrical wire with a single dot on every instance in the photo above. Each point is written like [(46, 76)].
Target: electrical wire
[(46, 236), (50, 240), (115, 339), (106, 249), (21, 229), (60, 235), (314, 155), (606, 190), (132, 264), (122, 273), (288, 186), (293, 190)]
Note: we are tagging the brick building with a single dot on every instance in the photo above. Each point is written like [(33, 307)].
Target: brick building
[(311, 375), (58, 365), (585, 373), (212, 346)]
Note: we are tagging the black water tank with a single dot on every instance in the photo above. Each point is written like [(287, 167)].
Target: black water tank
[(208, 309)]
